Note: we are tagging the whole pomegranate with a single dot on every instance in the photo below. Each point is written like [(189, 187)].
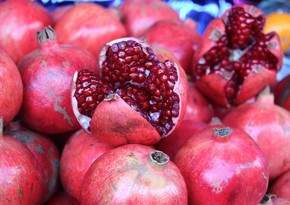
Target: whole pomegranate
[(20, 177), (281, 186), (282, 93), (89, 26), (45, 152), (269, 125), (79, 153), (61, 198), (139, 97), (271, 199), (11, 88), (177, 37), (139, 15), (46, 73), (20, 20), (235, 60), (223, 165), (133, 174)]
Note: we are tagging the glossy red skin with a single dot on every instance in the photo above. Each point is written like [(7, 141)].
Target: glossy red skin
[(282, 92), (79, 153), (198, 108), (89, 26), (281, 186), (59, 11), (11, 94), (172, 143), (127, 176), (177, 37), (61, 198), (269, 125), (20, 177), (139, 15), (221, 170), (46, 73), (212, 85), (20, 20), (45, 152)]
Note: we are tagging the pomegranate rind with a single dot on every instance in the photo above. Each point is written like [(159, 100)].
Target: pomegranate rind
[(116, 123)]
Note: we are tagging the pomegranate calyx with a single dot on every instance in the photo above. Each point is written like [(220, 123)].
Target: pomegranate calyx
[(47, 34), (112, 96), (159, 158), (222, 132)]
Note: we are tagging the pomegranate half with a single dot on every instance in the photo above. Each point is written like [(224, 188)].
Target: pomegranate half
[(139, 97)]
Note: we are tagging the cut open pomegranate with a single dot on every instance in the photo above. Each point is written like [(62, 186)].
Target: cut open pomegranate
[(132, 72), (235, 59)]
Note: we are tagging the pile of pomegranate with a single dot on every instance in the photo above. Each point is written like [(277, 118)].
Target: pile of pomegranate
[(131, 105)]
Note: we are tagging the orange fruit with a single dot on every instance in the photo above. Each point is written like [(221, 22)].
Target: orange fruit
[(279, 22)]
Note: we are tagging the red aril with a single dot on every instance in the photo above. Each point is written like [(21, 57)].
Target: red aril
[(223, 165), (139, 97), (45, 153), (11, 88), (46, 73), (281, 186), (20, 20), (235, 60), (133, 174), (269, 125), (139, 15), (177, 37), (20, 177), (89, 26), (79, 153)]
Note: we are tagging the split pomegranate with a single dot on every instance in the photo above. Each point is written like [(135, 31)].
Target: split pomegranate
[(79, 153), (281, 186), (139, 97), (89, 26), (139, 15), (235, 60), (46, 73), (133, 174), (20, 20), (269, 125), (177, 37), (45, 152), (20, 177), (223, 165), (11, 94)]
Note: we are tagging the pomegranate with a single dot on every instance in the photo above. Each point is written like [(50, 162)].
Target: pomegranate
[(198, 108), (139, 97), (172, 143), (133, 174), (11, 88), (60, 11), (90, 26), (271, 199), (46, 73), (20, 177), (269, 125), (177, 37), (281, 186), (282, 92), (45, 152), (139, 15), (78, 154), (223, 165), (61, 198), (20, 20), (235, 60)]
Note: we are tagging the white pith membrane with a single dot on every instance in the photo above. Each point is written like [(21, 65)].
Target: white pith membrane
[(119, 86)]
